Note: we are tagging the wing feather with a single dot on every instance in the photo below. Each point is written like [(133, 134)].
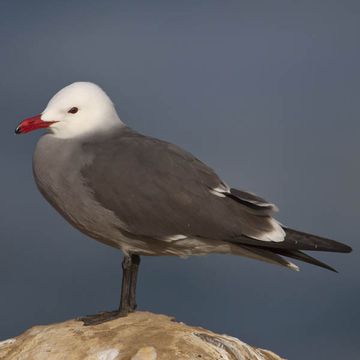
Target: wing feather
[(157, 189)]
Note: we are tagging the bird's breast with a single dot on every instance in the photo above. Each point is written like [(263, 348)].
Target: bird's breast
[(57, 168)]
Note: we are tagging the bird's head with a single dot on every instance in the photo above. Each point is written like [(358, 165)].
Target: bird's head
[(77, 109)]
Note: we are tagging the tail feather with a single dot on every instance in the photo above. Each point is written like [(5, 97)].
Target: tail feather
[(298, 255), (296, 240), (265, 255), (303, 241)]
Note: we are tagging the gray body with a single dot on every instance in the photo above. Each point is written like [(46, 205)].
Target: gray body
[(148, 197)]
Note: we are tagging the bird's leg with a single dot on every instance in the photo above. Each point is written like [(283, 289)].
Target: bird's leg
[(135, 263), (124, 307), (130, 266)]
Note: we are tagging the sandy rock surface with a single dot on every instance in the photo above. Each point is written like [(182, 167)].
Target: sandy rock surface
[(140, 336)]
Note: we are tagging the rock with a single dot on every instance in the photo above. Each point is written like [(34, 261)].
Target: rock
[(139, 336)]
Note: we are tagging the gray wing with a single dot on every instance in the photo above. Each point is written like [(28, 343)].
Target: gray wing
[(158, 190)]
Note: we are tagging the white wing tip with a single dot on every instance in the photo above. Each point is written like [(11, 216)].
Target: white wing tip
[(220, 190), (277, 234), (293, 267)]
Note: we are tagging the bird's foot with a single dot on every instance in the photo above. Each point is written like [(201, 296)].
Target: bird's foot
[(102, 317)]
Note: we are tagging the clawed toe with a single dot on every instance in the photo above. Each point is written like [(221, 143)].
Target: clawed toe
[(130, 266), (101, 317)]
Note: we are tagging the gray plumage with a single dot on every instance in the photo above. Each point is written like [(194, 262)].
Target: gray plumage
[(149, 197)]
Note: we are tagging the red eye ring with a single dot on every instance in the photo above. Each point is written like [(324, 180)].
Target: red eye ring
[(73, 110)]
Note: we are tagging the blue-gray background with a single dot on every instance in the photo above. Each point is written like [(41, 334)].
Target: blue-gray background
[(266, 92)]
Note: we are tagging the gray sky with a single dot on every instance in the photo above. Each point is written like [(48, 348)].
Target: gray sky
[(266, 92)]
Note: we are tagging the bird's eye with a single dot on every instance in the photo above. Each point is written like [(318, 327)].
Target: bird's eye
[(73, 110)]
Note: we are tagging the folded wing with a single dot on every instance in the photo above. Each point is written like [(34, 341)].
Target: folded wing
[(158, 190)]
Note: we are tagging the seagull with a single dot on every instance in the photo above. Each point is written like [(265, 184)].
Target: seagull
[(148, 197)]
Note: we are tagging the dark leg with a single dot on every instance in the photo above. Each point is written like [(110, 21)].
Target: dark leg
[(135, 263), (130, 266), (125, 285)]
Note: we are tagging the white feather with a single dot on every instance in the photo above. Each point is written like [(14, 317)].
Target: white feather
[(293, 266), (95, 112), (175, 238), (277, 234), (220, 190)]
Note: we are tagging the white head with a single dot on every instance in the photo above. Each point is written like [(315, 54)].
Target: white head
[(77, 109)]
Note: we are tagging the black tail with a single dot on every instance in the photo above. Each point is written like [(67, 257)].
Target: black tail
[(302, 241), (294, 242), (298, 255)]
